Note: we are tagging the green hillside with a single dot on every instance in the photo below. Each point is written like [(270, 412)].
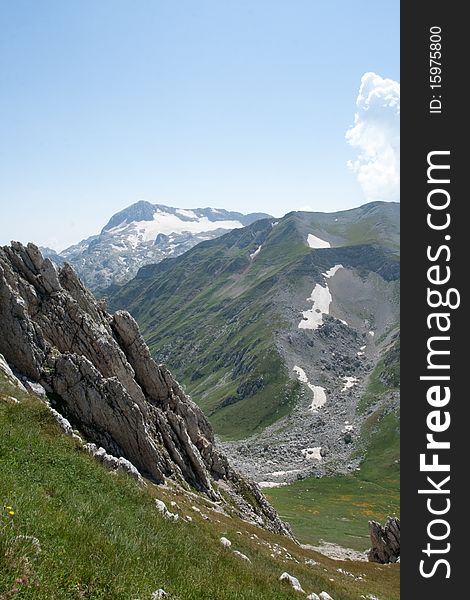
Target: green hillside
[(71, 530)]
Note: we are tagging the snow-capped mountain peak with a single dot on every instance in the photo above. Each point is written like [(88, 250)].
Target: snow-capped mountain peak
[(145, 233)]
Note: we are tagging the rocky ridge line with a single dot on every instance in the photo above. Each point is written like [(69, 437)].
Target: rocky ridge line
[(99, 369)]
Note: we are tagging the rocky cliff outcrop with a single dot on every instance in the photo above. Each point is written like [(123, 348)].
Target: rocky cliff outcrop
[(99, 370), (385, 541)]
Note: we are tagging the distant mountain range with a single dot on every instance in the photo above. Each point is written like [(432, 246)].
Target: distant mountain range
[(278, 329), (145, 233)]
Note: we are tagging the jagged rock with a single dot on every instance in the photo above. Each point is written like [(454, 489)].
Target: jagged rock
[(385, 541), (325, 596), (293, 581), (225, 542), (54, 333), (313, 596)]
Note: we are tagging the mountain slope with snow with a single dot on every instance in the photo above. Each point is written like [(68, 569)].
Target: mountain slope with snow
[(273, 338), (146, 233)]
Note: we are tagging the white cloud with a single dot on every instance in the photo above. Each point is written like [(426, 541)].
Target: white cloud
[(376, 137)]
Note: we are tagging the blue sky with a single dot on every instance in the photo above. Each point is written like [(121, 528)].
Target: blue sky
[(240, 104)]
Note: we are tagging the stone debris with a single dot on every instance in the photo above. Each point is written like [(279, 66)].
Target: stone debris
[(225, 542), (111, 462), (161, 507)]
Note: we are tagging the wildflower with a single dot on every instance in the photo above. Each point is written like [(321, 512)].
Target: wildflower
[(11, 513)]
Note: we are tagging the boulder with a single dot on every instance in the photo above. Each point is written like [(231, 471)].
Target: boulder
[(225, 542), (292, 581)]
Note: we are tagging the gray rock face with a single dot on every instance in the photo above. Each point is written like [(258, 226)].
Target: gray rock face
[(5, 369), (385, 541), (99, 369)]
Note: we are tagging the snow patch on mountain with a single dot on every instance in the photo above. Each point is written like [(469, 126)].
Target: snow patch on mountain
[(321, 300), (166, 223), (315, 242), (319, 395), (301, 375), (319, 398), (328, 274), (256, 252)]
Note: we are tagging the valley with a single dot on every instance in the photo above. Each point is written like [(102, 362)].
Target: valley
[(293, 380), (271, 355)]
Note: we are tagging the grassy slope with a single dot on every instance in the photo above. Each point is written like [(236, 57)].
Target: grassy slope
[(337, 509), (101, 537)]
